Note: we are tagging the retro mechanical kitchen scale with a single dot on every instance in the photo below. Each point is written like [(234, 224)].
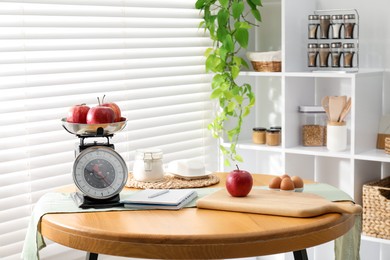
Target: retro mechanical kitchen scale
[(99, 172)]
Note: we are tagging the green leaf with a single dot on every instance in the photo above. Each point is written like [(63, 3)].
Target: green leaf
[(216, 93), (235, 71), (231, 106), (228, 43), (243, 25), (242, 37), (256, 14), (223, 17), (208, 52), (222, 33), (257, 2), (223, 53), (238, 8), (199, 4), (244, 63), (228, 94), (224, 3), (239, 99), (238, 157)]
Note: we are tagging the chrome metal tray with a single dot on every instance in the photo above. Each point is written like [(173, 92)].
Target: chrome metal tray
[(94, 129)]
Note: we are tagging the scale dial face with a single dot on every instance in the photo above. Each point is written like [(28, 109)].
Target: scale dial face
[(99, 172)]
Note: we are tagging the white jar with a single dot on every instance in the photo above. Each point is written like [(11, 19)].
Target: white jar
[(336, 136), (148, 165)]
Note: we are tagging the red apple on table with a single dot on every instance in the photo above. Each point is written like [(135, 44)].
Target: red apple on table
[(114, 107), (78, 114), (100, 114), (239, 183)]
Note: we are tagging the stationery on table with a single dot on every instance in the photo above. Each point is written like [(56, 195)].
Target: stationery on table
[(159, 199)]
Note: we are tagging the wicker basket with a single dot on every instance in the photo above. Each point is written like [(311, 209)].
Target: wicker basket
[(376, 209), (267, 66)]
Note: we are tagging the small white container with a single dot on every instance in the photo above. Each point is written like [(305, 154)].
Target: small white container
[(148, 165), (336, 136)]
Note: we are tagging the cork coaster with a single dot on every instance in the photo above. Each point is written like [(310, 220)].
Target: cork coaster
[(172, 182)]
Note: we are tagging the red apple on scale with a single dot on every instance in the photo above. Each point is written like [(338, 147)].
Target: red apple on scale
[(114, 107), (100, 115), (239, 183), (78, 114)]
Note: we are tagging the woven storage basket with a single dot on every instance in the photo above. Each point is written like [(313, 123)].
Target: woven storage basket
[(267, 66), (376, 208)]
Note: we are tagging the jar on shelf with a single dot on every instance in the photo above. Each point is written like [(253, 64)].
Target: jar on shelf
[(312, 53), (314, 22), (273, 137), (324, 52), (336, 52), (148, 165), (313, 125), (258, 135), (324, 26), (348, 53), (349, 26), (337, 23)]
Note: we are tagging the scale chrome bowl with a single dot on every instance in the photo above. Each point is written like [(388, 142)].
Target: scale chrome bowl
[(94, 129)]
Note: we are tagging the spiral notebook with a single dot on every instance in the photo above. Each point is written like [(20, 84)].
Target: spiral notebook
[(159, 199)]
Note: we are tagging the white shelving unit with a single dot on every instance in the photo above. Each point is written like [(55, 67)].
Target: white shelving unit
[(284, 28)]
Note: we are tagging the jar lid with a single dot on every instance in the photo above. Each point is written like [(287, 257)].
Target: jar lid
[(273, 131), (337, 17), (276, 127), (313, 17), (335, 45), (348, 45), (149, 154), (312, 45), (325, 17), (259, 129), (324, 45), (349, 16)]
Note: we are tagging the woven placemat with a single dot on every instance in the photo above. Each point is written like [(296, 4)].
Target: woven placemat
[(172, 182)]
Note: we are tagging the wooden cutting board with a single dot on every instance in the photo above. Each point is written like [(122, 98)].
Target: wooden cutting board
[(281, 203)]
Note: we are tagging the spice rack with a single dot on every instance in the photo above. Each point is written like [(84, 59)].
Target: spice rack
[(333, 40)]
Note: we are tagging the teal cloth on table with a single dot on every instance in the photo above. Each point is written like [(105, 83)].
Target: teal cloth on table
[(346, 247)]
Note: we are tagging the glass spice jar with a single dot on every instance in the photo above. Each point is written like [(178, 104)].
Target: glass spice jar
[(324, 52), (259, 135), (313, 26), (312, 53), (324, 26), (335, 54), (348, 53), (273, 137), (336, 23), (349, 25)]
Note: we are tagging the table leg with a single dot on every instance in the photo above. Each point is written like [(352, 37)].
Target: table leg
[(300, 255), (92, 256)]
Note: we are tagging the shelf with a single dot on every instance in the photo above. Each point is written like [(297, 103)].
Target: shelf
[(314, 74), (373, 155), (375, 239), (319, 151), (248, 145)]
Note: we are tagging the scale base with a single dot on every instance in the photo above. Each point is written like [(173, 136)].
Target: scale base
[(85, 202)]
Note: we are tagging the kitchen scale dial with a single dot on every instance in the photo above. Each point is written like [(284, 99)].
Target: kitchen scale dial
[(99, 172)]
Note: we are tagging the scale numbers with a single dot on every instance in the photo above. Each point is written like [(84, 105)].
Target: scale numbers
[(99, 172)]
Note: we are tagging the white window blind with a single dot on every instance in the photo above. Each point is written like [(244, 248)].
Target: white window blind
[(144, 55)]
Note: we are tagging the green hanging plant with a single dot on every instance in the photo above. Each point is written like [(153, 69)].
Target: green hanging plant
[(227, 23)]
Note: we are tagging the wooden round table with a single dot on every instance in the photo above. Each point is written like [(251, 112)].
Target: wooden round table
[(192, 233)]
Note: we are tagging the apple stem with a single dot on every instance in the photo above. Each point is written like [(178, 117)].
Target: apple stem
[(103, 98), (98, 100), (237, 167)]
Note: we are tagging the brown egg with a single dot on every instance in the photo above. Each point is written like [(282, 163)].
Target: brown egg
[(275, 183), (285, 176), (287, 184), (298, 182)]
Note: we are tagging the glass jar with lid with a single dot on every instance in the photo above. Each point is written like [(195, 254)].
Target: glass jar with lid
[(313, 125), (314, 22), (336, 52), (258, 135), (148, 165), (336, 23), (348, 53), (349, 26), (273, 137)]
